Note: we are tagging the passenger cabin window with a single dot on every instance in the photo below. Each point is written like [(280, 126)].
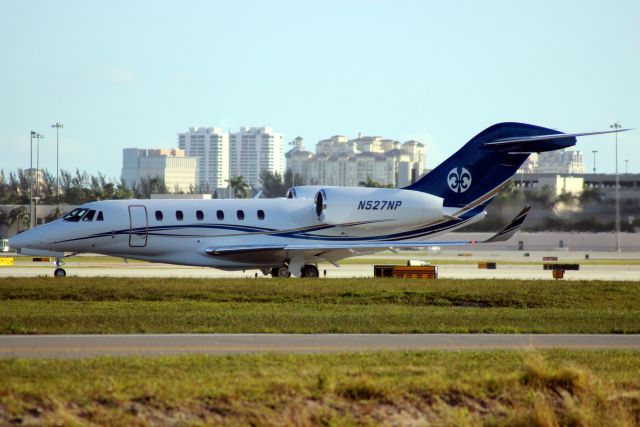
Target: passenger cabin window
[(100, 217), (159, 216), (89, 216), (75, 215), (179, 215), (260, 214), (199, 215), (220, 215), (240, 214)]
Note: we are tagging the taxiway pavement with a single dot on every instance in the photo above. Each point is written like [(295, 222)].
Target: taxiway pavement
[(79, 346), (453, 264)]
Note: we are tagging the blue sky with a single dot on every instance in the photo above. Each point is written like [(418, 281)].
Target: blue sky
[(134, 73)]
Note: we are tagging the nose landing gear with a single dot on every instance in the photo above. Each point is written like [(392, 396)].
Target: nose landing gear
[(59, 272)]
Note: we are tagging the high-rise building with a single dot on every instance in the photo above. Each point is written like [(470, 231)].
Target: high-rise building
[(344, 162), (335, 144), (252, 150), (297, 160), (211, 147), (177, 171)]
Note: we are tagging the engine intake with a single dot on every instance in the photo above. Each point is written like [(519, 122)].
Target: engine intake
[(321, 205)]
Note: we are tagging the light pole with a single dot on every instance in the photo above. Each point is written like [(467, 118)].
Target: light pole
[(617, 126), (594, 160), (38, 137), (32, 134), (57, 126), (626, 167)]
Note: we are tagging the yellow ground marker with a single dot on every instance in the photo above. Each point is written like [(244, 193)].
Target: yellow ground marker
[(6, 262)]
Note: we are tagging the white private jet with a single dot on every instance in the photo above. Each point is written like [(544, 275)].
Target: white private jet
[(289, 236)]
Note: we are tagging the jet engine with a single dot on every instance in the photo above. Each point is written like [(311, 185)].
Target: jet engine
[(375, 207)]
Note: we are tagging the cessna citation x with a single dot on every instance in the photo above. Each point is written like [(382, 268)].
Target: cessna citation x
[(290, 235)]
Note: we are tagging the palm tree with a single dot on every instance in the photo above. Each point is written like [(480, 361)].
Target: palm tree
[(4, 219), (239, 187), (19, 215), (54, 214), (372, 183)]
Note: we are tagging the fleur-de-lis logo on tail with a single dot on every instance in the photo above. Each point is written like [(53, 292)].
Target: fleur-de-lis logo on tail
[(459, 180)]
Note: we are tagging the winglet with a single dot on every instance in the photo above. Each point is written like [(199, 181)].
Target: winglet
[(508, 232)]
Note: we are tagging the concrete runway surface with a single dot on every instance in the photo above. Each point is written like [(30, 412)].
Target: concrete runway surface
[(511, 264), (446, 271), (79, 346)]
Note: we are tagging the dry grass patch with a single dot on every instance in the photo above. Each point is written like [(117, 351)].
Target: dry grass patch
[(589, 388)]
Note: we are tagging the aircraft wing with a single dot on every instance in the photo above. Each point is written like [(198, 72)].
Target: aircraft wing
[(355, 248)]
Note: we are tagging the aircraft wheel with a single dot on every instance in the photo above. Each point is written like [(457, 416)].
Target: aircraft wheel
[(59, 272), (284, 272), (310, 271)]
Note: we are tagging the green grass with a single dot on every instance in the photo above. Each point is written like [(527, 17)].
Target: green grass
[(124, 305), (589, 388)]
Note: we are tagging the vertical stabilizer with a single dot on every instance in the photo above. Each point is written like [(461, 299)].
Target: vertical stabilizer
[(478, 171)]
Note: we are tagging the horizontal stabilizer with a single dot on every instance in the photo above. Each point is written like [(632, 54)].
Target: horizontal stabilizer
[(535, 138), (508, 232)]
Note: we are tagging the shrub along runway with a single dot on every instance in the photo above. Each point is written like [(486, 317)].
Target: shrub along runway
[(126, 305)]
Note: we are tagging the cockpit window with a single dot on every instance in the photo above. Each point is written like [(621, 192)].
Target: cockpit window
[(100, 217), (89, 216), (75, 215)]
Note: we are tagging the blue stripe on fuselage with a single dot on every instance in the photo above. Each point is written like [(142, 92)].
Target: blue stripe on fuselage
[(301, 233)]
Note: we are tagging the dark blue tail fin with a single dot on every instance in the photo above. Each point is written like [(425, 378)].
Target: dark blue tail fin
[(480, 169)]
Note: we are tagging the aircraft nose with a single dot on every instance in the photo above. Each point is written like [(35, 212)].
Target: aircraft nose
[(16, 242), (22, 240)]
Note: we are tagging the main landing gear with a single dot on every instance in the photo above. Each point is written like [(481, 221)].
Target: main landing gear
[(280, 272), (308, 270), (59, 272)]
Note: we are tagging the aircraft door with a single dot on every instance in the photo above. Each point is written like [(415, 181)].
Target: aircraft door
[(138, 226)]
